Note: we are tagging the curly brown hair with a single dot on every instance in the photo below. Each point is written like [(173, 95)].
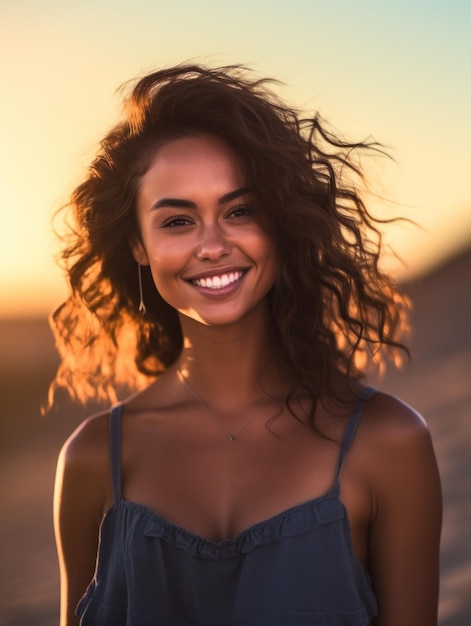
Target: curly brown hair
[(332, 307)]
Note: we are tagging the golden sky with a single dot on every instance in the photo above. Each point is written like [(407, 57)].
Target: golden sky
[(397, 71)]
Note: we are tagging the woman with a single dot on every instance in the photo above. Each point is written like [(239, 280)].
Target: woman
[(222, 255)]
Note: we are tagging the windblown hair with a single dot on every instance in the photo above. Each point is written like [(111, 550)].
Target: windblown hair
[(332, 307)]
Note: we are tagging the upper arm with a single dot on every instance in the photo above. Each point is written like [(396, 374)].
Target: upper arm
[(406, 524), (80, 497)]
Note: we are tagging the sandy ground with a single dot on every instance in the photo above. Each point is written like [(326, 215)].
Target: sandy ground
[(438, 384)]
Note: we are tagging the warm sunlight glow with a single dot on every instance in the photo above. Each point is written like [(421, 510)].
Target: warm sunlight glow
[(61, 98)]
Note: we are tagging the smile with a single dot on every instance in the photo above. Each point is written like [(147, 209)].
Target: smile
[(218, 282)]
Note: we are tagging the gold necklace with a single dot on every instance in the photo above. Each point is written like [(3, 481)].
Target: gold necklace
[(232, 436)]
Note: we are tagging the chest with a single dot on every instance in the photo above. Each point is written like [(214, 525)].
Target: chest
[(197, 479), (294, 569)]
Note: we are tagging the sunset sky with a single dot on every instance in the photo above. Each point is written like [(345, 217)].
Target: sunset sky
[(398, 71)]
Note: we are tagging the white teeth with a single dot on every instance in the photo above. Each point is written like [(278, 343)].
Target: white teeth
[(216, 282)]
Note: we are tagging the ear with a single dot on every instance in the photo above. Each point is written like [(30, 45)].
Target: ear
[(138, 251)]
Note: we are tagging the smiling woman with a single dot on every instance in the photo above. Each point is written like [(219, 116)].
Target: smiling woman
[(223, 265), (209, 257)]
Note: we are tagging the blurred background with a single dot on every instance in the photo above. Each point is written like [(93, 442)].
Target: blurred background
[(399, 72)]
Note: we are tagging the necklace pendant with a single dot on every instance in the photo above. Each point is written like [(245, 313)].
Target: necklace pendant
[(230, 436)]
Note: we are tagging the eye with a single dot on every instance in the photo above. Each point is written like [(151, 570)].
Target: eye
[(177, 221), (243, 210)]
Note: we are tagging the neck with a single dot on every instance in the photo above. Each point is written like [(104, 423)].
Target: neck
[(230, 364)]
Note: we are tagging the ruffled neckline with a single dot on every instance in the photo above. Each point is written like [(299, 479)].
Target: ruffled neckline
[(296, 520)]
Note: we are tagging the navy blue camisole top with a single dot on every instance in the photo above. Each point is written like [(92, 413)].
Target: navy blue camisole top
[(296, 568)]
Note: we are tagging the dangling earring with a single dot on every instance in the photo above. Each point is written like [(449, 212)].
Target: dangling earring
[(142, 306)]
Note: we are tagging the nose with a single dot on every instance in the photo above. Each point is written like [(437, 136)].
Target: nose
[(213, 244)]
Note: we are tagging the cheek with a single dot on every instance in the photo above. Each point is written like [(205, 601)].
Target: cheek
[(264, 254), (161, 252), (166, 263), (163, 277), (162, 268), (269, 255)]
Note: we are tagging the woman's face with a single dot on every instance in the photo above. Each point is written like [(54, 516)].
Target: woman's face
[(208, 255)]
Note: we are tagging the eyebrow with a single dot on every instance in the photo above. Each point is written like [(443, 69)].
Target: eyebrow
[(189, 204)]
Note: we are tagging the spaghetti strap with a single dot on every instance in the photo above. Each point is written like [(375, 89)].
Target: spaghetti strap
[(115, 449), (352, 424)]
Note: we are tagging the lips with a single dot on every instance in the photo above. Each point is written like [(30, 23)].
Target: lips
[(218, 281)]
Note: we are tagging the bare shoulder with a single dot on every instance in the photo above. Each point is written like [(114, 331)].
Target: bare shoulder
[(82, 496), (388, 421), (84, 464), (393, 444), (395, 449), (393, 441), (88, 447), (89, 442)]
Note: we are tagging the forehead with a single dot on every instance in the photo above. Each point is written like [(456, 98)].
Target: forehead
[(204, 161), (190, 150)]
